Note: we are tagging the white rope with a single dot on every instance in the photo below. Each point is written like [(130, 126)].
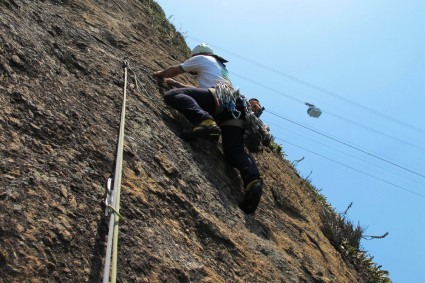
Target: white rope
[(112, 245)]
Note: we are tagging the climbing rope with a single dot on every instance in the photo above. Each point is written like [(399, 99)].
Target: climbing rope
[(226, 97), (112, 201)]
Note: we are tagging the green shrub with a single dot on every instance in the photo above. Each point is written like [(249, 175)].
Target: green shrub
[(277, 148)]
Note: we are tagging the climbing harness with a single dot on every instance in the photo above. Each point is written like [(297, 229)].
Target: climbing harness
[(112, 200)]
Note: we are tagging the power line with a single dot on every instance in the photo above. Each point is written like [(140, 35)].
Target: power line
[(357, 170), (411, 168), (351, 155), (375, 130), (346, 144), (303, 82)]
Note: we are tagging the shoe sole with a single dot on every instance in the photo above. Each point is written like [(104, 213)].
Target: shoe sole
[(252, 200), (191, 135)]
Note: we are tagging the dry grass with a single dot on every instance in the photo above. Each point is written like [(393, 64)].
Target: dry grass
[(346, 237)]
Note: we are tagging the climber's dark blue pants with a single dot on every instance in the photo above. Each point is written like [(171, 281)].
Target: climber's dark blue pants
[(195, 104), (198, 104), (234, 152)]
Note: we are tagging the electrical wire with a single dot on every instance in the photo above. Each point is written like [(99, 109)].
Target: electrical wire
[(352, 168), (346, 144), (395, 161), (375, 130), (345, 153)]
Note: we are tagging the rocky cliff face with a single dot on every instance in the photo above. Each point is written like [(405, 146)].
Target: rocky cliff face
[(61, 85)]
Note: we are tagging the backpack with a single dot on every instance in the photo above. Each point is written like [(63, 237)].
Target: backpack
[(257, 134)]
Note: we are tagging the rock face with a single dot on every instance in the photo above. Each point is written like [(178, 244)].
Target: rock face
[(61, 84)]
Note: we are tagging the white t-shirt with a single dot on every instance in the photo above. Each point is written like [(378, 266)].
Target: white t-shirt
[(208, 70)]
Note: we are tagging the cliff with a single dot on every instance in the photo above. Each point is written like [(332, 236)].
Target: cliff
[(61, 94)]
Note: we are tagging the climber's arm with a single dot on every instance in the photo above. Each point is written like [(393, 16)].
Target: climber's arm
[(169, 72)]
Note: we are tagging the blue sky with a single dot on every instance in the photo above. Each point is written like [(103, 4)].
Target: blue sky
[(363, 64)]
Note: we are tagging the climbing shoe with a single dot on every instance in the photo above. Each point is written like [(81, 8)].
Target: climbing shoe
[(206, 129), (252, 197)]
